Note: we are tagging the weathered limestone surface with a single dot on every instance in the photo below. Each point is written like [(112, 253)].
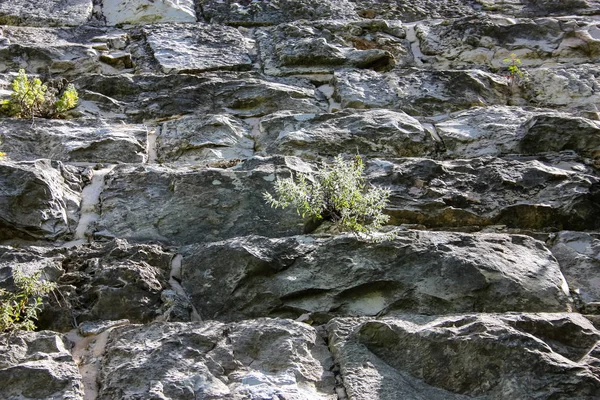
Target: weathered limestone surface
[(145, 203), (527, 194), (39, 199), (527, 356), (119, 12), (77, 140), (198, 48), (270, 12), (204, 138), (578, 254), (183, 206), (382, 133), (45, 12), (500, 131), (257, 359), (38, 365), (418, 272), (322, 47), (142, 97)]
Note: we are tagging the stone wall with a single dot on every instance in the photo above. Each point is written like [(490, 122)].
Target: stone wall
[(176, 280)]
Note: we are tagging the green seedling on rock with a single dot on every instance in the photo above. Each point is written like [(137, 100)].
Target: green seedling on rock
[(32, 98), (514, 71), (337, 193), (19, 309)]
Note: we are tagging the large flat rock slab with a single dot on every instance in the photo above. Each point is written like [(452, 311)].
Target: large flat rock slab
[(373, 133), (198, 48), (204, 139), (141, 12), (498, 131), (416, 10), (45, 12), (39, 200), (417, 272), (137, 98), (259, 359), (483, 356), (75, 140), (38, 365), (419, 91), (189, 205), (64, 53), (525, 194), (273, 12), (488, 41), (322, 47), (578, 254)]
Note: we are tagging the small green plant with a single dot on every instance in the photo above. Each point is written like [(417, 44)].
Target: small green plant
[(19, 310), (515, 73), (32, 98), (336, 192)]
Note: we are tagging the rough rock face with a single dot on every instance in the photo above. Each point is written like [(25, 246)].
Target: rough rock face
[(527, 194), (39, 199), (533, 356), (182, 48), (418, 272), (145, 204), (46, 12), (118, 12), (256, 359), (77, 140), (38, 366), (195, 204), (578, 256)]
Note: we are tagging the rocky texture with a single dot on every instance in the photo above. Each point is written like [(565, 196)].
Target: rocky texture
[(270, 12), (527, 194), (194, 205), (488, 41), (45, 12), (38, 199), (38, 366), (260, 359), (414, 10), (140, 97), (322, 47), (527, 356), (573, 89), (204, 139), (54, 52), (110, 281), (231, 95), (578, 254), (193, 49), (418, 272), (119, 12), (375, 132), (531, 8), (418, 91), (76, 140), (511, 130)]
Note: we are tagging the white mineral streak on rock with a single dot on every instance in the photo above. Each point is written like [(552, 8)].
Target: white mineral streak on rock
[(151, 146), (327, 91), (87, 353), (119, 12), (90, 197), (411, 36), (174, 281)]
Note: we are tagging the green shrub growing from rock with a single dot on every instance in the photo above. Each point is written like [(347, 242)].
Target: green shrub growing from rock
[(18, 310), (32, 98), (336, 192)]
